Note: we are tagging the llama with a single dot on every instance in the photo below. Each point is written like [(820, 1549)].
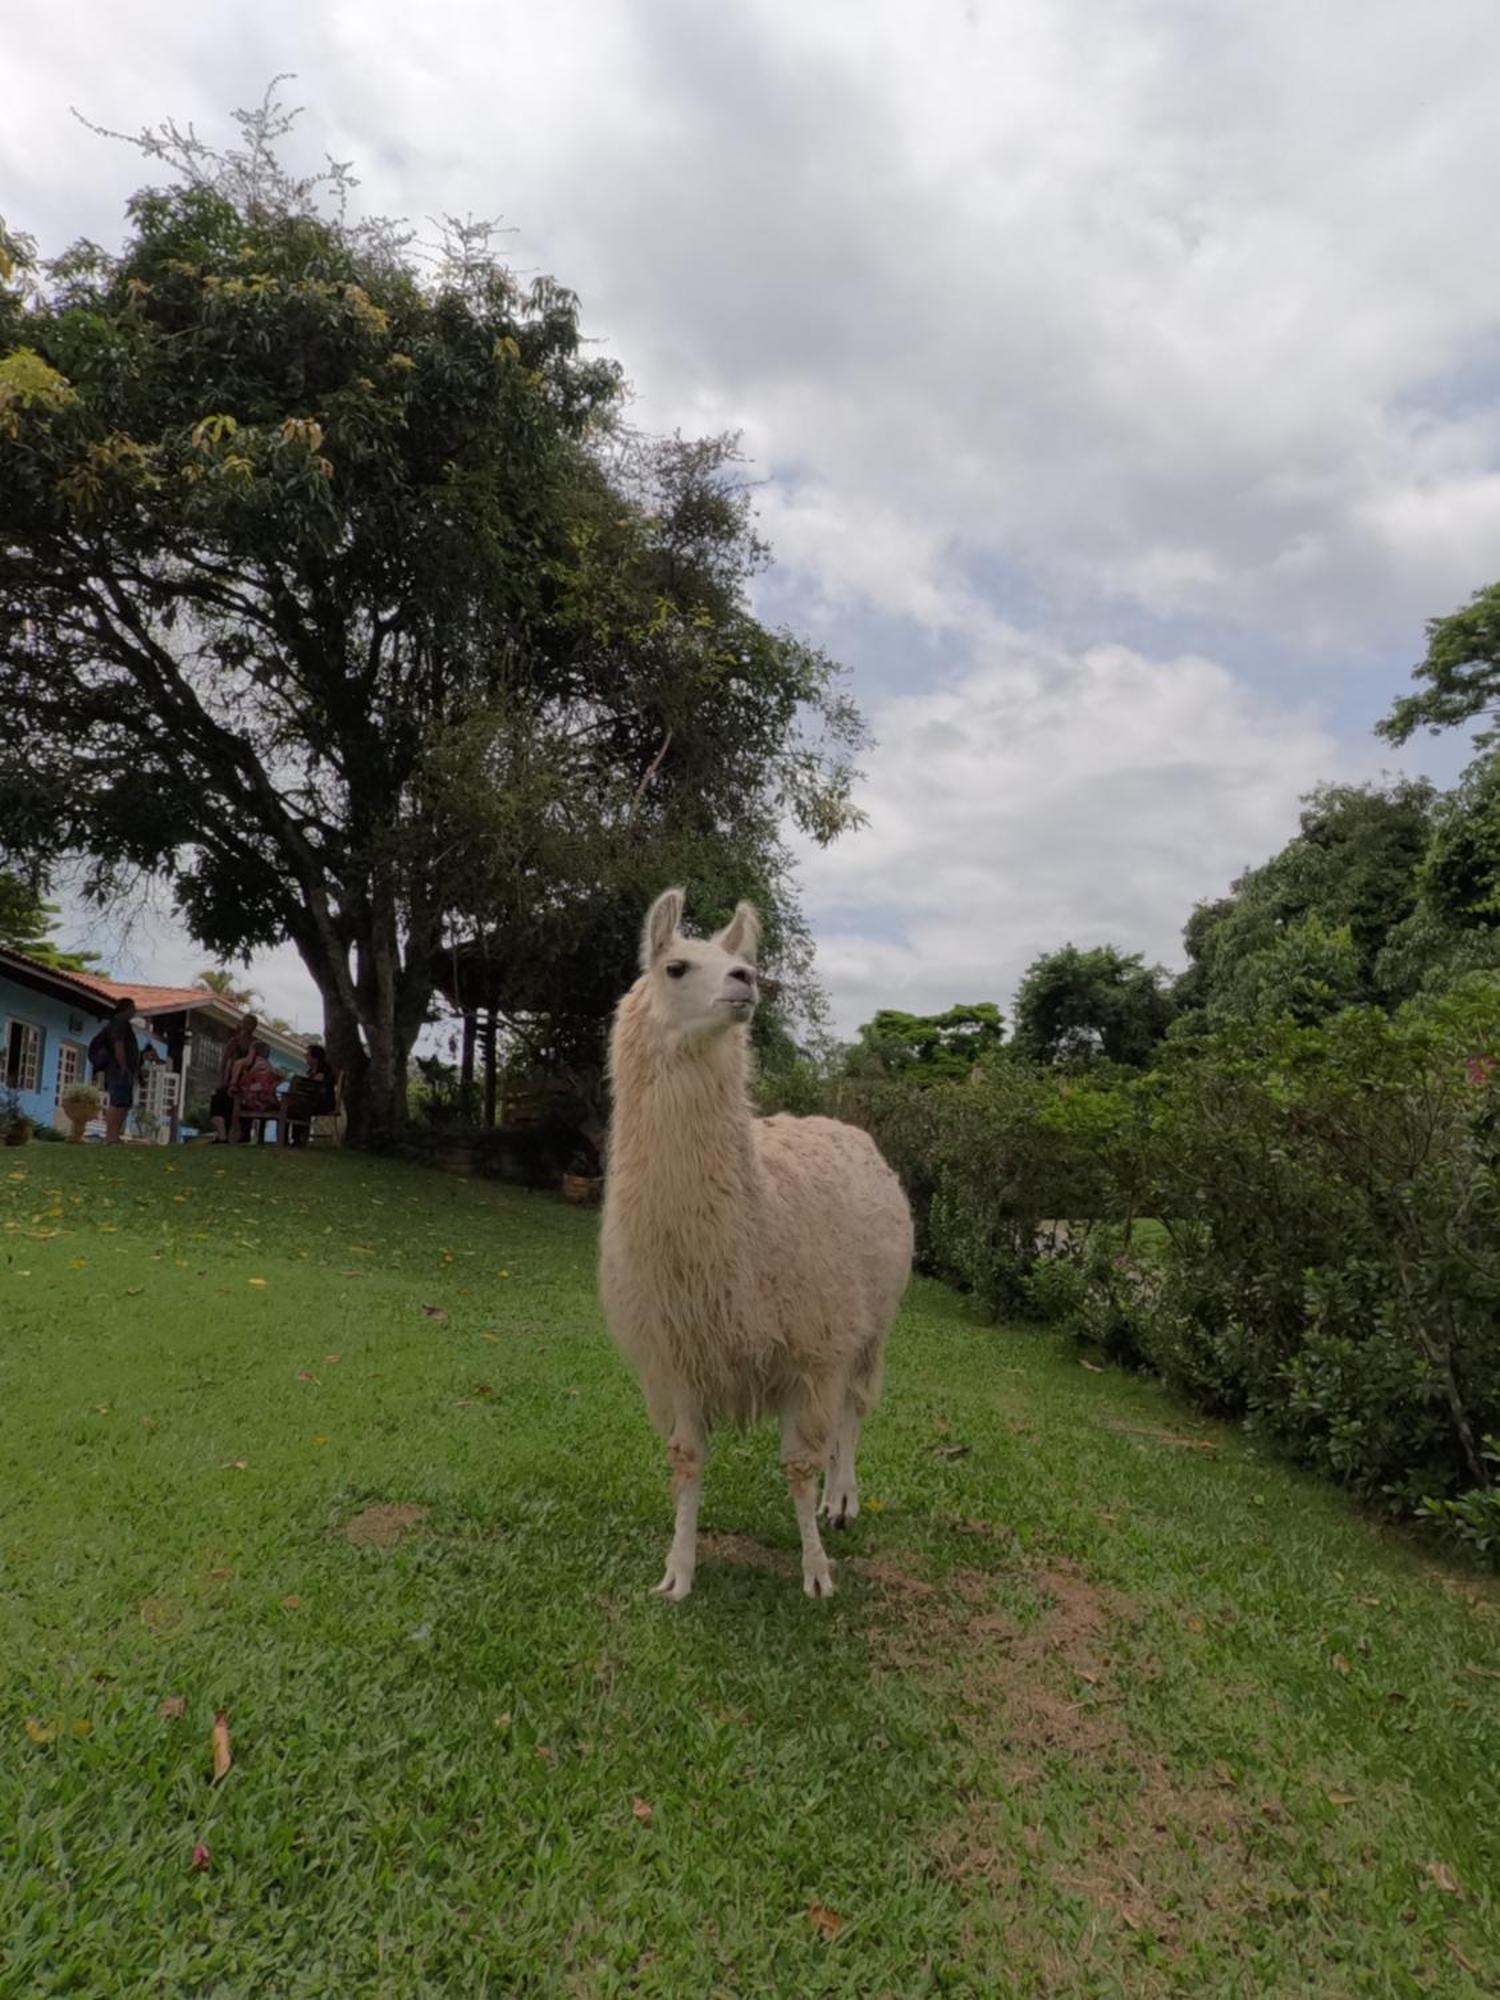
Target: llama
[(748, 1266)]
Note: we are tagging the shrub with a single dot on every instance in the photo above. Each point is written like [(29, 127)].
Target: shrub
[(1324, 1262), (1334, 1264)]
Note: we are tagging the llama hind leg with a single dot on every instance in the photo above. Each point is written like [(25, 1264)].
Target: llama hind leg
[(687, 1447), (840, 1503), (804, 1454)]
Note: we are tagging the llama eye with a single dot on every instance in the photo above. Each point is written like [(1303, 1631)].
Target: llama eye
[(677, 968)]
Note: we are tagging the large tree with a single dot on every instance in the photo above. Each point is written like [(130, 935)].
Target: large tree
[(1316, 920), (928, 1048), (287, 508), (1074, 1005)]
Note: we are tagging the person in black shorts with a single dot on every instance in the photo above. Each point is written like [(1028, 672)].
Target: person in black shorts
[(122, 1059)]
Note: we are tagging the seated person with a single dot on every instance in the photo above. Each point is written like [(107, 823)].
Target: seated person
[(254, 1086), (310, 1096)]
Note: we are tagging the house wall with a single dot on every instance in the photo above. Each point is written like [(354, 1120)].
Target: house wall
[(62, 1025)]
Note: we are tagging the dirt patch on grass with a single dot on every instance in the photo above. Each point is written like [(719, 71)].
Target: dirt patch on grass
[(747, 1553), (1080, 1828), (381, 1527)]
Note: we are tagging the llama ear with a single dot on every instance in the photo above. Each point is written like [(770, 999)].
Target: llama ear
[(741, 935), (661, 926)]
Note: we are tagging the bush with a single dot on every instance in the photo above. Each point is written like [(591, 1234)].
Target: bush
[(1333, 1273), (1326, 1260), (996, 1167)]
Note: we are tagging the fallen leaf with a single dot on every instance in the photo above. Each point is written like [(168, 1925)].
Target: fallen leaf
[(642, 1810), (306, 1375), (259, 1283), (1340, 1663), (42, 1732), (434, 1312), (351, 1274), (482, 1389), (547, 1756), (134, 1291), (292, 1603), (330, 1360), (1444, 1877), (219, 1738), (201, 1856), (222, 1574), (320, 1437), (494, 1337), (1193, 1624), (235, 1465), (953, 1450), (1463, 1959), (503, 1721), (83, 1727), (1340, 1798), (828, 1923), (173, 1709), (1092, 1366)]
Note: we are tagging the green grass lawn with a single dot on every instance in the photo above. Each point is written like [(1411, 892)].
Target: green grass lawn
[(1107, 1703)]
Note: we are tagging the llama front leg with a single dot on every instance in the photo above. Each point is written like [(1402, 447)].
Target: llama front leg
[(840, 1503), (687, 1447), (803, 1457)]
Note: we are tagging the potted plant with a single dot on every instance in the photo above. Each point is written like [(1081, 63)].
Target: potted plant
[(581, 1184), (15, 1124), (80, 1103)]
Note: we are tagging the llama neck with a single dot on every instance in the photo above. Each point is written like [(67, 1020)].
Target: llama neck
[(682, 1142)]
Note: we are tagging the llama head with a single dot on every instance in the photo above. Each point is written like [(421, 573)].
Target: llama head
[(699, 986)]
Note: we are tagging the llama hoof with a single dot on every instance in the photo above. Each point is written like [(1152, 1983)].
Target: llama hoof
[(817, 1581), (839, 1509), (675, 1585)]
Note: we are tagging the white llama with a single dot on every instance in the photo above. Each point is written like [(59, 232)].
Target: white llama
[(748, 1266)]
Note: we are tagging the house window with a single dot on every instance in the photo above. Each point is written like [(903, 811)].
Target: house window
[(70, 1060), (23, 1056)]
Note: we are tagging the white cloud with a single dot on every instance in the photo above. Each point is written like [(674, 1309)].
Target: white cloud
[(1044, 797)]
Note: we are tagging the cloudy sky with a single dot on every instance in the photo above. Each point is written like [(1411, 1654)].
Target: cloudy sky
[(1124, 381)]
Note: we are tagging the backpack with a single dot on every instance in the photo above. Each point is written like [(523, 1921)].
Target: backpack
[(99, 1055)]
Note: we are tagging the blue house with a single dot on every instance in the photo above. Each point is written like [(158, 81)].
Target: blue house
[(48, 1019)]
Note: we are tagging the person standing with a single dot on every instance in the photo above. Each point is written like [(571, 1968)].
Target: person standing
[(221, 1106), (121, 1053)]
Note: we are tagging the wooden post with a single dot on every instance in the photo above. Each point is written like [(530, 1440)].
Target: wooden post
[(466, 1070), (491, 1080)]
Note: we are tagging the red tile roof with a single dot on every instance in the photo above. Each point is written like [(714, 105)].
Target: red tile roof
[(154, 999)]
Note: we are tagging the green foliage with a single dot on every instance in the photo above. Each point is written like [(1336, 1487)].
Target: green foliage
[(1461, 672), (1333, 1205), (1302, 973), (1304, 933), (1074, 1006), (1327, 1261), (27, 922), (928, 1048), (1461, 869), (991, 1166)]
